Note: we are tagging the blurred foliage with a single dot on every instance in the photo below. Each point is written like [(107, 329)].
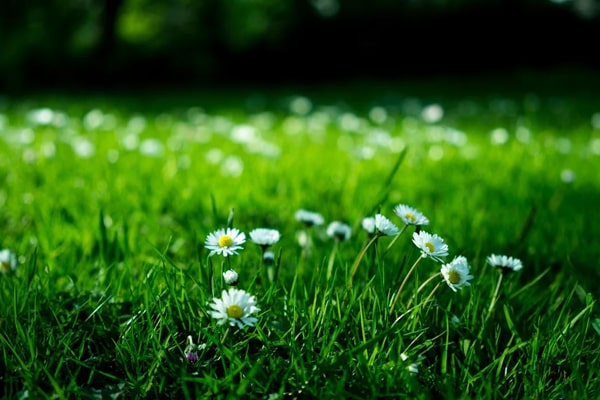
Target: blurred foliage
[(46, 41)]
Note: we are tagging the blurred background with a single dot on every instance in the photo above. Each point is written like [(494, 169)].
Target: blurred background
[(129, 43)]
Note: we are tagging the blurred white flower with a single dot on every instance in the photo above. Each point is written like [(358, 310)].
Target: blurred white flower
[(505, 262), (339, 230)]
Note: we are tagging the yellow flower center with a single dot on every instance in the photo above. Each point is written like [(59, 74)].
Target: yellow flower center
[(430, 246), (235, 311), (454, 276), (225, 241), (411, 217)]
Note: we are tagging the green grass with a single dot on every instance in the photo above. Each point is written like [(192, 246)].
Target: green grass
[(113, 275)]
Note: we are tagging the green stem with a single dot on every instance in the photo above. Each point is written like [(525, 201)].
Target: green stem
[(396, 237), (491, 307), (359, 258), (421, 288), (432, 292), (397, 296)]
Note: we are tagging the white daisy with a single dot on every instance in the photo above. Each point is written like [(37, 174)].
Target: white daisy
[(231, 277), (235, 307), (456, 273), (264, 237), (384, 226), (309, 218), (430, 245), (368, 224), (339, 230), (8, 261), (225, 242), (410, 216), (505, 262)]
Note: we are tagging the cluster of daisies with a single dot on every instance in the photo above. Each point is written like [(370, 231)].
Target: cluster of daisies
[(237, 307)]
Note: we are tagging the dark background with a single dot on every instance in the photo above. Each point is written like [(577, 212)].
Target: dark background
[(142, 43)]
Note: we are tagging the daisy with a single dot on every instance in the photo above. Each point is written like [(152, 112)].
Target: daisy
[(309, 218), (339, 230), (430, 245), (384, 226), (8, 261), (368, 225), (505, 262), (225, 242), (235, 307), (231, 277), (264, 237), (410, 216), (456, 273)]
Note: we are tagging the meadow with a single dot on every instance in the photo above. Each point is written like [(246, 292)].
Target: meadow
[(113, 258)]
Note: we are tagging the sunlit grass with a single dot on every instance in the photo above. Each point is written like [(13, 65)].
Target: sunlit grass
[(107, 204)]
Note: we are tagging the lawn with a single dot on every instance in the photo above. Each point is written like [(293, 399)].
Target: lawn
[(109, 200)]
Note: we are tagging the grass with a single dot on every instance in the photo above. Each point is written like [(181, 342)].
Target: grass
[(107, 201)]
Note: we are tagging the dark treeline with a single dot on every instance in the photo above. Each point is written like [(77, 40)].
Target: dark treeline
[(102, 43)]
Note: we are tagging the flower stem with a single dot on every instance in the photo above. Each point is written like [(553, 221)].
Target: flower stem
[(397, 296), (359, 258), (421, 288), (396, 237), (491, 307), (433, 291)]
